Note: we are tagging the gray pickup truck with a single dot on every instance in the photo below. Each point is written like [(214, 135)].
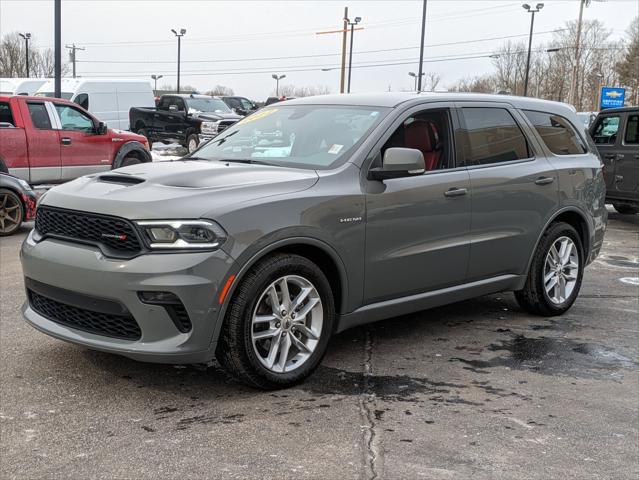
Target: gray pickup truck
[(187, 119)]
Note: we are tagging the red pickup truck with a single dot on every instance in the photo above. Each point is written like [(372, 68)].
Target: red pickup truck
[(50, 140)]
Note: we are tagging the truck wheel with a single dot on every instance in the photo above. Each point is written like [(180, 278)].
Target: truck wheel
[(192, 142), (625, 209), (11, 212), (555, 274), (278, 324), (129, 160)]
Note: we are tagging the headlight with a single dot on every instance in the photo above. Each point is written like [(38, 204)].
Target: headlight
[(209, 128), (182, 234), (40, 198)]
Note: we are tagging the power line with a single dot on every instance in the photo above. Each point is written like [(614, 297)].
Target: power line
[(323, 54)]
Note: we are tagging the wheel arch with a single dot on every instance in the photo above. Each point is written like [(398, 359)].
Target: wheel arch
[(317, 251), (132, 147), (574, 217)]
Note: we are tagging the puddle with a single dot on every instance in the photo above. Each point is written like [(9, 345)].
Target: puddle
[(552, 356), (619, 261)]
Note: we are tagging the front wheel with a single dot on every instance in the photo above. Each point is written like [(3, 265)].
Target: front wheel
[(278, 324), (625, 209), (192, 142), (11, 212), (555, 274)]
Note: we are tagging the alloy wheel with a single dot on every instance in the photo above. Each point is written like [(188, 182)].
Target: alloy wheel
[(561, 270), (287, 323), (10, 212), (192, 145)]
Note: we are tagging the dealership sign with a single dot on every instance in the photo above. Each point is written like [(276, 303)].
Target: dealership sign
[(612, 97)]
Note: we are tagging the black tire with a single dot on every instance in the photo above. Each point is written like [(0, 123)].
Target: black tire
[(190, 140), (129, 160), (533, 297), (625, 208), (10, 221), (235, 349)]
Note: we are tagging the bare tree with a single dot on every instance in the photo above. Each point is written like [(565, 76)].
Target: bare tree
[(431, 81), (308, 91), (483, 84), (628, 66), (12, 58), (221, 91)]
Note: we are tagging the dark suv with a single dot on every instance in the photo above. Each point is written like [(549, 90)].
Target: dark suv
[(616, 134), (314, 216)]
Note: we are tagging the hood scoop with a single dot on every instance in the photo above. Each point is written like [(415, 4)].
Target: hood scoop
[(120, 179)]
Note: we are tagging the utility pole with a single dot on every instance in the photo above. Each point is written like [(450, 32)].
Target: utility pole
[(26, 37), (527, 7), (344, 35), (72, 49), (58, 48), (350, 55), (421, 50), (179, 37)]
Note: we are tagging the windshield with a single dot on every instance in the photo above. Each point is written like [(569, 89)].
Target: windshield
[(207, 105), (305, 136), (65, 95)]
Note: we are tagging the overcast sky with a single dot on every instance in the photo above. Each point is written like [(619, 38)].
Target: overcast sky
[(237, 43)]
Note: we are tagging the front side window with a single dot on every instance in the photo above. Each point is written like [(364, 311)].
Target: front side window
[(491, 135), (39, 116), (632, 130), (605, 132), (164, 103), (82, 99), (5, 113), (73, 119), (303, 136), (557, 133), (246, 105), (428, 132)]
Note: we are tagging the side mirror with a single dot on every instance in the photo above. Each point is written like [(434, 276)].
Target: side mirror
[(101, 129), (399, 162)]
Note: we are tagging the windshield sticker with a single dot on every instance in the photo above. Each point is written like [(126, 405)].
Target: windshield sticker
[(257, 116), (335, 149)]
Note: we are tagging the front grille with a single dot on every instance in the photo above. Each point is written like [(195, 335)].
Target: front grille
[(224, 124), (110, 325), (116, 235)]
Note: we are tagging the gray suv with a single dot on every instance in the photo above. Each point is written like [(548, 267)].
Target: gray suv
[(313, 216)]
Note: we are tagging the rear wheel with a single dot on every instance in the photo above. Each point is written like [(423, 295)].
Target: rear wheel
[(625, 208), (279, 323), (11, 212), (555, 274)]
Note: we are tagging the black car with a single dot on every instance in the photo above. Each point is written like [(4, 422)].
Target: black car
[(240, 105), (17, 203), (186, 119), (616, 134)]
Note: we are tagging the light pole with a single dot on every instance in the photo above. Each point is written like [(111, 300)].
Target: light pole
[(26, 37), (155, 79), (421, 47), (179, 37), (277, 79), (416, 76), (350, 55), (529, 9)]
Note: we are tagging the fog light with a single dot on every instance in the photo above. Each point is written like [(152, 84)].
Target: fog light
[(159, 298)]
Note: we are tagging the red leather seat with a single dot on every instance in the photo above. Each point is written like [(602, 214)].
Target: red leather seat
[(423, 136)]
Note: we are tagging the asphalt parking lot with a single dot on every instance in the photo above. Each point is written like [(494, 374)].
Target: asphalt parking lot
[(477, 390)]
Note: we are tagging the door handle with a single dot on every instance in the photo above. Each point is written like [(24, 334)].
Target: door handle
[(618, 178), (610, 156), (455, 192), (544, 181), (65, 141)]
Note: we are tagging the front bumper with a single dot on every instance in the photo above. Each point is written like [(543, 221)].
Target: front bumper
[(194, 277)]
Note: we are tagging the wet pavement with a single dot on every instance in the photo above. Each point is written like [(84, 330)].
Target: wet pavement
[(477, 389)]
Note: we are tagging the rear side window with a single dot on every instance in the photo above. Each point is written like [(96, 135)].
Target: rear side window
[(605, 132), (491, 135), (39, 116), (632, 130), (5, 113), (558, 134)]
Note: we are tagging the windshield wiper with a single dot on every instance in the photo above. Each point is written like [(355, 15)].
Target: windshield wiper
[(251, 161)]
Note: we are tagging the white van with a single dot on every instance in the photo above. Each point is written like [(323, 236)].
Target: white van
[(20, 86), (108, 99)]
